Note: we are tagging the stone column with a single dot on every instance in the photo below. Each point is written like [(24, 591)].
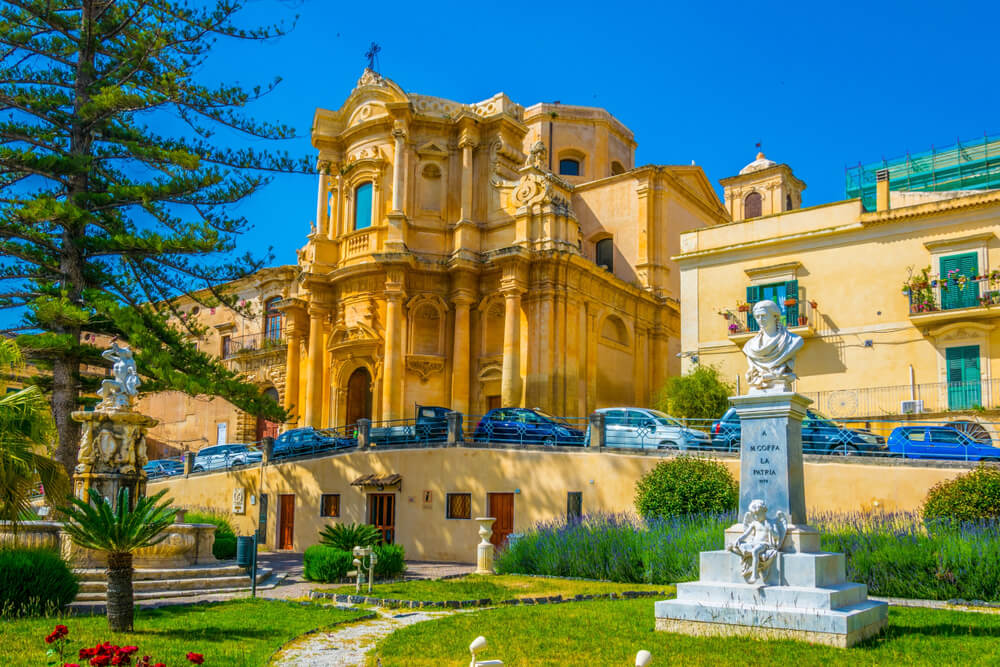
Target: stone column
[(314, 370), (510, 382), (466, 144), (398, 167), (321, 202), (460, 354), (292, 361), (392, 377)]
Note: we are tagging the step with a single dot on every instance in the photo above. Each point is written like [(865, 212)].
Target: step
[(143, 574), (89, 592), (179, 584)]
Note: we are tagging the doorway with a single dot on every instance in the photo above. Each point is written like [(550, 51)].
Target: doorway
[(286, 521), (492, 403), (359, 396), (501, 507), (964, 386), (382, 514)]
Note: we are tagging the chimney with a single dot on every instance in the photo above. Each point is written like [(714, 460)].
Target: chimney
[(882, 190)]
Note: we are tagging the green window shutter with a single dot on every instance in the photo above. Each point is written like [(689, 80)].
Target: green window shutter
[(966, 264), (753, 296), (964, 390), (792, 312)]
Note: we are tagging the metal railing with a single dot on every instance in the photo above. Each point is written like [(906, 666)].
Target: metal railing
[(739, 319), (941, 294), (515, 426), (913, 399), (250, 343), (418, 432)]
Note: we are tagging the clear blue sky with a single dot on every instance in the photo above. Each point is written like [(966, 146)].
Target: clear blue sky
[(822, 85)]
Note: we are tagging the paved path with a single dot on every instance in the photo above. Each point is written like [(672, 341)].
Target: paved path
[(347, 645)]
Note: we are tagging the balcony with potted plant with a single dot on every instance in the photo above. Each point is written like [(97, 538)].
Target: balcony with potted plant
[(936, 300), (741, 327)]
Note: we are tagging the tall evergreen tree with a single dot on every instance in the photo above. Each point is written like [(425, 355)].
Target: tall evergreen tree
[(106, 215)]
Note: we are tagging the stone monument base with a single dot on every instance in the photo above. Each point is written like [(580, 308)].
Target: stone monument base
[(806, 596)]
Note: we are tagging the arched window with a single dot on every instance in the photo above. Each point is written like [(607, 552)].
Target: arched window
[(788, 202), (617, 168), (272, 319), (752, 205), (363, 206), (569, 167), (614, 330), (605, 255)]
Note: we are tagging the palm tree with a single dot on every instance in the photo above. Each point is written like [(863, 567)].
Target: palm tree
[(118, 532), (26, 430)]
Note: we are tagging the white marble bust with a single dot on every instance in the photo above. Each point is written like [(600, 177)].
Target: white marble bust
[(771, 353)]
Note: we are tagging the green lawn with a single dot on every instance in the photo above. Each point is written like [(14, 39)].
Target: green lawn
[(611, 632), (241, 633), (496, 588)]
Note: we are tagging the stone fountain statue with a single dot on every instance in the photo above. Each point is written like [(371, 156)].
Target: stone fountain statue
[(113, 437)]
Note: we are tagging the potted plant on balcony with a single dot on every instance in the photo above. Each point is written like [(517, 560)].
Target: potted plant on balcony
[(791, 301), (803, 320), (920, 290), (734, 328), (742, 307)]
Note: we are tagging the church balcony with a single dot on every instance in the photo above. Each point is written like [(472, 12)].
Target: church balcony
[(741, 327), (937, 301), (253, 351), (358, 243)]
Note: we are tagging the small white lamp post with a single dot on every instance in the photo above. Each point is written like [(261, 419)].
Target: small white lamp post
[(484, 550), (643, 658), (360, 553), (478, 644)]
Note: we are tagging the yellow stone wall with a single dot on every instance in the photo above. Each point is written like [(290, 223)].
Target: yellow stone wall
[(540, 481)]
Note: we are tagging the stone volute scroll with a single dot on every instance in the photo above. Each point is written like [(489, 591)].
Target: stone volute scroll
[(760, 542), (771, 353)]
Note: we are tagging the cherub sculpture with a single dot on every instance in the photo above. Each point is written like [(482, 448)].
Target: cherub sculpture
[(760, 542)]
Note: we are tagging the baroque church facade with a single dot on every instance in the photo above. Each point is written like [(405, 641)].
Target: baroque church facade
[(475, 256)]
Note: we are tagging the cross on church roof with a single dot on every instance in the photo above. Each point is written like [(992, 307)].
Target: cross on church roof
[(372, 55)]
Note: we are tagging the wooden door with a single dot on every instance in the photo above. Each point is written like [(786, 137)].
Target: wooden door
[(359, 396), (492, 403), (501, 507), (382, 514), (286, 521)]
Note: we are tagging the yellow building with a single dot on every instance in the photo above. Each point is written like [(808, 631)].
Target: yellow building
[(838, 271)]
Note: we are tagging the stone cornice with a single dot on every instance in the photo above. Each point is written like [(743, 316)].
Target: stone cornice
[(982, 200)]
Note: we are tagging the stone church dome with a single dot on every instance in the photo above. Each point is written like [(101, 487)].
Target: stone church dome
[(757, 165)]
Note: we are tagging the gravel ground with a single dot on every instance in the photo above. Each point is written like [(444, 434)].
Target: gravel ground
[(347, 645)]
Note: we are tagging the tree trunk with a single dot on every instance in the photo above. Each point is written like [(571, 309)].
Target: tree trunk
[(120, 604), (65, 389)]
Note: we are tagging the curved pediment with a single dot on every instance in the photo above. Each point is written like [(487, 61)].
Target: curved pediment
[(357, 334)]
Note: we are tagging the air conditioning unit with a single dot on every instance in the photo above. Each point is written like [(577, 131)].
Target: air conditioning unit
[(911, 407)]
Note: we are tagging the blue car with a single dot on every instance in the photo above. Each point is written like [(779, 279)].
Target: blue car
[(524, 426), (308, 440), (820, 435), (939, 442)]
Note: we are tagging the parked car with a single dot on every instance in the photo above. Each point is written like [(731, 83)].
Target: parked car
[(430, 425), (939, 442), (163, 468), (820, 435), (524, 426), (308, 440), (644, 427), (222, 457)]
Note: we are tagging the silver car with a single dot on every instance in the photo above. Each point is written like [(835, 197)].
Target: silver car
[(221, 457), (646, 428)]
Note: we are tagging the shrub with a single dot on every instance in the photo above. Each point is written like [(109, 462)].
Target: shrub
[(346, 536), (391, 561), (224, 547), (34, 582), (701, 394), (323, 563), (974, 496), (686, 485)]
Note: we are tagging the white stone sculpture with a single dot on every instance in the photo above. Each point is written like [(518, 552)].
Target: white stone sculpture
[(117, 393), (760, 542), (771, 353)]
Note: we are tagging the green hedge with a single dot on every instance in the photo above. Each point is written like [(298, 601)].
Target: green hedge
[(686, 485), (323, 563), (973, 496), (224, 547), (34, 582)]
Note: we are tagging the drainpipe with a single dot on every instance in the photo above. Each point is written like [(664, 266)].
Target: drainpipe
[(913, 385)]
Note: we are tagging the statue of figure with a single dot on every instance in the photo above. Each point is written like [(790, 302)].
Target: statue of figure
[(538, 157), (771, 353), (760, 542), (86, 456), (118, 393)]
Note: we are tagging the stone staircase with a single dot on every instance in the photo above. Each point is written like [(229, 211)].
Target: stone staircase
[(151, 584)]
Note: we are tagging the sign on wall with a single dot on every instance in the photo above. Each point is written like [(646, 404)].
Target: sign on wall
[(221, 435), (239, 500)]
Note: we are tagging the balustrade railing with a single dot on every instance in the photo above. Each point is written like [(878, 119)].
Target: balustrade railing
[(256, 342), (929, 294), (358, 244)]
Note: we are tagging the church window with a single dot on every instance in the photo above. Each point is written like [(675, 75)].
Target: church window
[(752, 205), (363, 206), (569, 167), (272, 319), (605, 254)]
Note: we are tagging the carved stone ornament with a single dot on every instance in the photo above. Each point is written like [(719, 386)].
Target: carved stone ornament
[(760, 542), (539, 156), (118, 393), (239, 500), (424, 365), (370, 78), (532, 189), (771, 353)]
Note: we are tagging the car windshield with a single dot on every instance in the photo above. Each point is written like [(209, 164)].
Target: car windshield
[(665, 419), (549, 417)]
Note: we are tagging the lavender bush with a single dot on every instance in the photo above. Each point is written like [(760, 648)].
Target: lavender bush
[(894, 554)]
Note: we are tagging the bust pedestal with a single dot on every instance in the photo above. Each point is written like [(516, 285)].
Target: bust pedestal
[(804, 594)]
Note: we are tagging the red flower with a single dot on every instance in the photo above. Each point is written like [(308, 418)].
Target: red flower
[(50, 638), (128, 650), (62, 630), (196, 658), (102, 660)]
